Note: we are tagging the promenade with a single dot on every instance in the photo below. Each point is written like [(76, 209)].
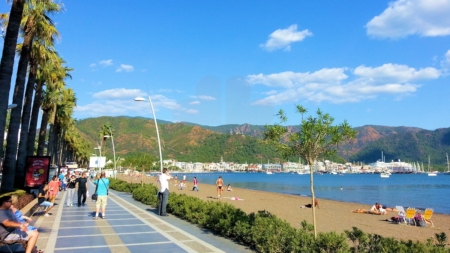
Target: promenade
[(130, 226)]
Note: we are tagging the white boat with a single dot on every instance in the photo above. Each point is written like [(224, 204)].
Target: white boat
[(431, 173), (448, 167), (385, 175), (269, 172)]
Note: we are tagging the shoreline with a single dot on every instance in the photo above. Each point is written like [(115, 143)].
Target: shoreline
[(332, 215)]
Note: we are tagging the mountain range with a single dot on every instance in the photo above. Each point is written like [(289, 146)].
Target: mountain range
[(243, 143)]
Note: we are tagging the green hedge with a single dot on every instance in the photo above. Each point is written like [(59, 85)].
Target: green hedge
[(264, 232)]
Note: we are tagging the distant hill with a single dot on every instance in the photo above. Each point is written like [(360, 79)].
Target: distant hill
[(190, 143), (242, 143)]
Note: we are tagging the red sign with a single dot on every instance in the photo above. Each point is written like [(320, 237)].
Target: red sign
[(36, 172)]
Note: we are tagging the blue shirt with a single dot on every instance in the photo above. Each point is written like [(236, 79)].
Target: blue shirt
[(103, 185)]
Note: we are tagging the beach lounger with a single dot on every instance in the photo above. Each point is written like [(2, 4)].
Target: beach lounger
[(427, 216), (409, 216)]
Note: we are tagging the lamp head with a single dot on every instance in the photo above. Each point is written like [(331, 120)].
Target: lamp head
[(11, 106), (139, 99)]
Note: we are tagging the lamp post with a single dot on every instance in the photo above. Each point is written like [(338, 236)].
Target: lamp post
[(99, 148), (114, 150), (156, 126)]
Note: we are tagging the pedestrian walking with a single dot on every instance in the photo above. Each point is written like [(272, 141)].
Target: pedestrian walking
[(219, 184), (102, 185), (163, 194), (71, 190), (81, 186), (195, 184)]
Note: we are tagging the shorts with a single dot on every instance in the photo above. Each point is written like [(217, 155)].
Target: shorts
[(219, 187), (46, 203), (16, 235), (101, 201)]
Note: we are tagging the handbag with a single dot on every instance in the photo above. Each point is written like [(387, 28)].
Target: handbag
[(95, 196)]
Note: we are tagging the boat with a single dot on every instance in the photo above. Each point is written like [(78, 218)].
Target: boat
[(431, 173), (269, 172), (385, 175), (448, 167)]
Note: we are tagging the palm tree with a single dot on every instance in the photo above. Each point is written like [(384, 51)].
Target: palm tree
[(34, 19), (39, 53), (46, 73), (7, 64)]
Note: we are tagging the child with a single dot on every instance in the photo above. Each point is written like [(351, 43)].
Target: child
[(19, 215)]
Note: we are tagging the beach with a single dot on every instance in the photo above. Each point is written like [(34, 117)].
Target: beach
[(330, 216)]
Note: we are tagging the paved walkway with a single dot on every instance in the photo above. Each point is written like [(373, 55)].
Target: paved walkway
[(130, 226)]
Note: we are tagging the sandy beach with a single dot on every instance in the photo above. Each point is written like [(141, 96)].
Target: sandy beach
[(331, 215)]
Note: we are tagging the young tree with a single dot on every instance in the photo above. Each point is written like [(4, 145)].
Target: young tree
[(316, 138)]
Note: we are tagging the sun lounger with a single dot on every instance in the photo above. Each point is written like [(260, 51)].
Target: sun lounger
[(427, 216), (409, 216)]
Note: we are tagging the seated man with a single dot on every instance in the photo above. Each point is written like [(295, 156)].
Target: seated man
[(11, 230)]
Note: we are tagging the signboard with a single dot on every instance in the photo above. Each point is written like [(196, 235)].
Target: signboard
[(37, 171), (97, 162)]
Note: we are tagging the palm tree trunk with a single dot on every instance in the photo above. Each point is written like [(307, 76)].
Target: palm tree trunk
[(6, 66), (311, 184), (43, 133), (34, 119), (9, 165), (26, 114)]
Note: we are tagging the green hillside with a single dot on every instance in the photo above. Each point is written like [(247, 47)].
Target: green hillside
[(242, 143), (179, 141)]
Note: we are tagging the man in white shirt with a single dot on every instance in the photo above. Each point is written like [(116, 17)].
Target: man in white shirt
[(163, 195)]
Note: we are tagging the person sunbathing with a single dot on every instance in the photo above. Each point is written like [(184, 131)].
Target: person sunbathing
[(316, 204), (363, 210)]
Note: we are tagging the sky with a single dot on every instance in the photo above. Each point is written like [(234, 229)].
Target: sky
[(235, 62)]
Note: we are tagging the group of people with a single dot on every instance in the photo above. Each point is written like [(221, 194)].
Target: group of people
[(377, 209), (163, 193), (15, 226)]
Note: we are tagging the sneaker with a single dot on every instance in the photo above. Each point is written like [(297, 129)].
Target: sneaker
[(46, 215), (103, 217), (71, 204), (68, 204), (95, 217)]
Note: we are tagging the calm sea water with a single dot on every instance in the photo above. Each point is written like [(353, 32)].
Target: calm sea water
[(413, 190)]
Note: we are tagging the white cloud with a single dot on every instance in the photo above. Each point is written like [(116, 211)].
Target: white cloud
[(92, 65), (445, 64), (204, 97), (118, 93), (283, 38), (395, 72), (334, 86), (121, 102), (408, 17), (106, 63), (195, 102), (291, 79), (125, 68)]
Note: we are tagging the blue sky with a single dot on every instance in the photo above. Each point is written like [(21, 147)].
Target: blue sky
[(234, 62)]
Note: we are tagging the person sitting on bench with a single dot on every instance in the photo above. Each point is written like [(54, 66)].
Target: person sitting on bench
[(42, 199), (12, 231)]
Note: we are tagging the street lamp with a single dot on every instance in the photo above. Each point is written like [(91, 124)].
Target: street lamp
[(11, 106), (156, 126), (114, 150), (99, 148)]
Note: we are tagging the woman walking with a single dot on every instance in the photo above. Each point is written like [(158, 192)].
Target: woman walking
[(54, 188), (71, 190)]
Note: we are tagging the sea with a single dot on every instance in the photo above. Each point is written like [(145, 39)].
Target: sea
[(407, 190)]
